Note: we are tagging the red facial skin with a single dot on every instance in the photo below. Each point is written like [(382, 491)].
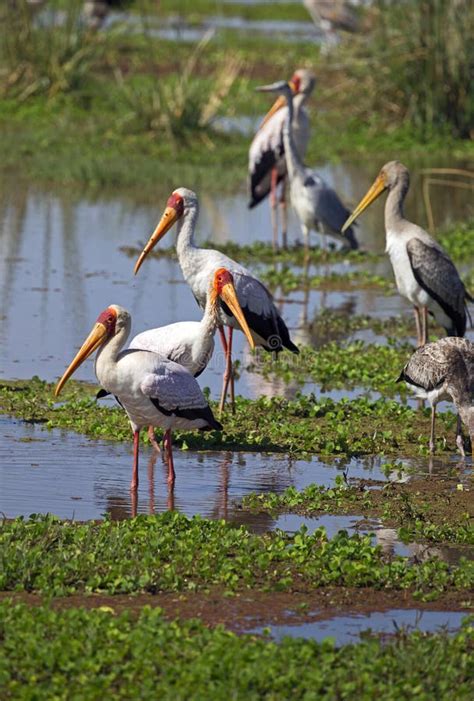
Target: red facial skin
[(222, 277), (108, 318), (177, 203), (296, 80)]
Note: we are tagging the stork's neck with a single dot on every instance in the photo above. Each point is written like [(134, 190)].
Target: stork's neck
[(186, 227), (107, 356), (394, 206), (210, 320), (294, 163)]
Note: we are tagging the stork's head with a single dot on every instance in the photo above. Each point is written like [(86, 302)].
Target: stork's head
[(222, 287), (302, 82), (390, 175), (109, 323), (180, 201)]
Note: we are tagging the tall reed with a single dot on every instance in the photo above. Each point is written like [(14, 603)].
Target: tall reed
[(45, 53)]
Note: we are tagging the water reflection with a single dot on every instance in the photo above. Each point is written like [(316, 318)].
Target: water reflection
[(347, 629), (60, 263)]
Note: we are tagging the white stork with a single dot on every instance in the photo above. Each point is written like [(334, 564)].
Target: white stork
[(444, 370), (424, 273), (267, 165), (317, 205), (151, 389), (199, 265)]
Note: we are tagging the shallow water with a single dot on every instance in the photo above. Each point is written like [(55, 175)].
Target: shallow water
[(347, 629), (61, 264), (74, 477)]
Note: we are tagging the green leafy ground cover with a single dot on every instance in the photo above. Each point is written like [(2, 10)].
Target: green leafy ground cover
[(354, 364), (305, 425), (170, 552), (423, 510), (79, 654)]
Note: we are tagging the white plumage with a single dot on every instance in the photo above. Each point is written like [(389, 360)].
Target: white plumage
[(151, 389), (199, 265), (267, 165), (316, 203), (424, 272)]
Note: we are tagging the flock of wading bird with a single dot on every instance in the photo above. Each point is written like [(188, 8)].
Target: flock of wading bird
[(154, 379)]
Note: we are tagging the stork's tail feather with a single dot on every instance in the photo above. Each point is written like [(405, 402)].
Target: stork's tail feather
[(213, 423), (285, 337)]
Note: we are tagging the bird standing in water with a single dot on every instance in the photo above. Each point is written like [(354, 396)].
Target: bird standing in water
[(267, 164), (444, 370), (199, 265), (152, 390), (424, 272)]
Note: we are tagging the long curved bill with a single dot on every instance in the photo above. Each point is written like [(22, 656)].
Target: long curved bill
[(169, 217), (229, 296), (375, 191), (92, 342), (279, 102)]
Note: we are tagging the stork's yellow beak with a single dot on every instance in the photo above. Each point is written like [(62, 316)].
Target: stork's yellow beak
[(375, 191), (277, 105), (229, 295), (96, 337), (170, 215)]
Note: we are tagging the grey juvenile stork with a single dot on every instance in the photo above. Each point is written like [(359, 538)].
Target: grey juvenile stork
[(424, 273), (153, 390), (444, 370), (267, 165), (317, 205)]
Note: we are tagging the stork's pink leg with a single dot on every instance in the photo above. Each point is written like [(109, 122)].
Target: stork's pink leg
[(273, 206), (169, 451), (136, 445), (424, 325), (152, 438), (228, 374), (419, 341), (284, 215)]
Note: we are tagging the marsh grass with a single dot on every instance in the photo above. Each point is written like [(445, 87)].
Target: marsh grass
[(179, 107), (46, 55), (413, 66)]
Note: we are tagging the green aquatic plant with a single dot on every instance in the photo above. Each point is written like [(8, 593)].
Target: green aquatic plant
[(437, 516), (170, 552), (305, 425), (353, 364), (90, 654), (289, 280)]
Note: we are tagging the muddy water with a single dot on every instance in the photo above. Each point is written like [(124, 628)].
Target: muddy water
[(60, 264), (347, 629)]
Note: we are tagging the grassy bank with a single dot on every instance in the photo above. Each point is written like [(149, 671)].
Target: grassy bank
[(124, 109)]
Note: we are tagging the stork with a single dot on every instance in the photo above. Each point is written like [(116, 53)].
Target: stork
[(191, 343), (444, 370), (317, 205), (424, 272), (267, 165), (151, 389), (199, 265)]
